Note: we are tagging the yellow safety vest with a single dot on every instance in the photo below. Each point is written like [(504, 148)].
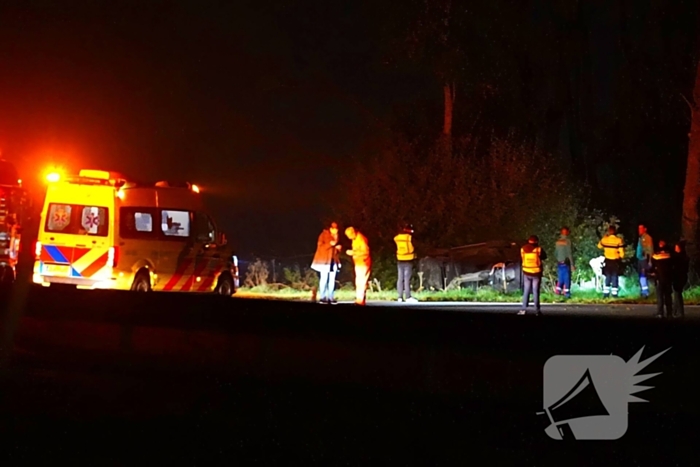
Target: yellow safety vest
[(404, 247), (661, 255), (532, 264), (612, 247)]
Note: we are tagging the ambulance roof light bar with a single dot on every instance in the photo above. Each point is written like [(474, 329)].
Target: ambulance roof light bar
[(89, 173), (102, 177)]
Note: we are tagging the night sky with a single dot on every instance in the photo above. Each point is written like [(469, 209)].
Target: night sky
[(266, 105)]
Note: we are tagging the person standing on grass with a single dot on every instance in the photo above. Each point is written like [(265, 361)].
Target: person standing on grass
[(645, 249), (327, 262), (681, 262), (565, 263), (363, 263), (405, 254), (532, 256), (662, 267), (614, 250)]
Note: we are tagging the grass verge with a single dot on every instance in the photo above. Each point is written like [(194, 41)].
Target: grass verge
[(483, 294)]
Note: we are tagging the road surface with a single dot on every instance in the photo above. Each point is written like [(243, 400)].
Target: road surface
[(641, 311), (554, 309), (102, 378)]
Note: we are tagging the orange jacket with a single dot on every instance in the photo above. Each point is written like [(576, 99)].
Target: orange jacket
[(360, 251)]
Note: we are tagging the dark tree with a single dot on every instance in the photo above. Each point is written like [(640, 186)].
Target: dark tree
[(691, 193)]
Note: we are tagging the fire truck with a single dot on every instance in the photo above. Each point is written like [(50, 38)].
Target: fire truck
[(99, 230), (13, 202)]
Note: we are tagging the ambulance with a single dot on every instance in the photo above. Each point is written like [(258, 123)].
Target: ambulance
[(101, 231)]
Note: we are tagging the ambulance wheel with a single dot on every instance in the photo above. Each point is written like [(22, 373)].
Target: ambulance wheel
[(225, 286), (142, 283)]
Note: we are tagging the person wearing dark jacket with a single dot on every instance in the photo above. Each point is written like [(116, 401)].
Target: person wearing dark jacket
[(532, 255), (327, 262), (662, 267), (681, 263)]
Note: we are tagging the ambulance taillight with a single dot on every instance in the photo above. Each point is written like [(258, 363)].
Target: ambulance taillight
[(113, 257), (37, 251)]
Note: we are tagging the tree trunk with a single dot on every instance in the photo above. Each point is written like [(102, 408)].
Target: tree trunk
[(691, 192), (449, 90)]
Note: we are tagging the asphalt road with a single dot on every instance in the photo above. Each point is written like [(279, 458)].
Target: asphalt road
[(611, 309), (554, 309), (104, 378)]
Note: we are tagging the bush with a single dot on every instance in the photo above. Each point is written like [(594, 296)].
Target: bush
[(586, 231), (384, 270), (257, 274), (457, 197), (296, 280), (509, 192)]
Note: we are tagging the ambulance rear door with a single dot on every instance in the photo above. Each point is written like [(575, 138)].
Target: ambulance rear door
[(77, 233)]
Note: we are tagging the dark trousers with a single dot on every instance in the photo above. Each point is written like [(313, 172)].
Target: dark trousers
[(403, 285), (563, 280), (531, 285), (678, 308), (664, 298), (611, 270), (642, 267)]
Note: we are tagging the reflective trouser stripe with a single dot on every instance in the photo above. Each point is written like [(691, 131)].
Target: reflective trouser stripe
[(606, 289), (614, 291)]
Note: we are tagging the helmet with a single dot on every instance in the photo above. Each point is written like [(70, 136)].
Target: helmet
[(533, 239)]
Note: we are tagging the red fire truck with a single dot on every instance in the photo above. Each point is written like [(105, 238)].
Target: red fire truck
[(13, 204)]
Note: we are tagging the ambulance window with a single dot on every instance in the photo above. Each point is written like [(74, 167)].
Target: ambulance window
[(143, 222), (211, 230), (204, 228), (136, 223), (59, 217), (77, 219), (175, 223)]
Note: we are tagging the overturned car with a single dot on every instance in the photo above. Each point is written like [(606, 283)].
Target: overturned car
[(494, 263)]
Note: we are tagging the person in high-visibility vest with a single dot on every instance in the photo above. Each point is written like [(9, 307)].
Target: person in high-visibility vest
[(614, 251), (405, 254), (363, 263), (532, 256), (662, 267)]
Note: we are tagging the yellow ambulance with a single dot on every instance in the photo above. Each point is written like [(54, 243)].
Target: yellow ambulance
[(101, 231)]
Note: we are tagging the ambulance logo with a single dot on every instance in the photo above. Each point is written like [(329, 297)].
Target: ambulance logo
[(91, 219), (60, 218)]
